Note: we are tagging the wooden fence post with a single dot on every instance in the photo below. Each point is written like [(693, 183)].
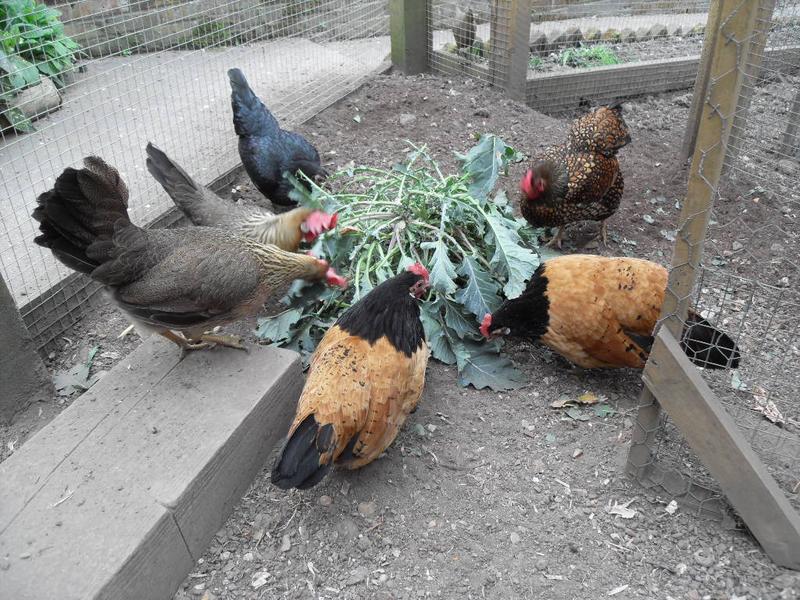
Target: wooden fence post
[(412, 39), (789, 141), (509, 49), (23, 374)]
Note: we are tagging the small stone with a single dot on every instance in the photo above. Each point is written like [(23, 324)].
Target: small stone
[(430, 427), (366, 509), (364, 543), (325, 500), (407, 118), (286, 543), (592, 35), (481, 112), (259, 579), (577, 453), (358, 575), (658, 31), (704, 557), (225, 555), (736, 246), (25, 555), (538, 42), (541, 564), (347, 529), (248, 556), (787, 166), (514, 538), (776, 248), (681, 568), (643, 34), (693, 595)]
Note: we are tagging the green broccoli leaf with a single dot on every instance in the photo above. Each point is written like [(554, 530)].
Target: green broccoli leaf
[(485, 368), (479, 295)]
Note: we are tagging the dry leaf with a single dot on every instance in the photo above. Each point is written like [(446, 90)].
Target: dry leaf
[(671, 508), (766, 407), (622, 509)]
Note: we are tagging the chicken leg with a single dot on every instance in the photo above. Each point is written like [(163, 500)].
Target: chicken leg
[(556, 239), (184, 344), (229, 341)]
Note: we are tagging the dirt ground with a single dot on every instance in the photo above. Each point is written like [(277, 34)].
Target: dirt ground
[(483, 494)]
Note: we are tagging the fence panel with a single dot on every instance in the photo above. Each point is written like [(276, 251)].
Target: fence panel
[(746, 282)]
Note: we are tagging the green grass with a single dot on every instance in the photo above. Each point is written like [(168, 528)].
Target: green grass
[(588, 56), (535, 62)]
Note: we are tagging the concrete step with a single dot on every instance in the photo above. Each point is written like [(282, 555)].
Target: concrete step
[(120, 494)]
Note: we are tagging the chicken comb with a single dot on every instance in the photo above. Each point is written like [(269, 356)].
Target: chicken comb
[(485, 324), (418, 269), (319, 222), (333, 278)]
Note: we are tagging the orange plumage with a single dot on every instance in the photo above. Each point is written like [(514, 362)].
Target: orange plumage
[(597, 311), (365, 378)]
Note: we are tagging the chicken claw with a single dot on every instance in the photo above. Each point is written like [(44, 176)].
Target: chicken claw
[(556, 239), (229, 341), (604, 233)]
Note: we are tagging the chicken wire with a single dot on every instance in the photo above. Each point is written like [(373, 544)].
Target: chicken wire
[(747, 282), (584, 51), (156, 71)]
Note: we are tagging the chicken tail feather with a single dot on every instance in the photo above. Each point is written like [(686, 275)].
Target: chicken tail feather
[(176, 182), (79, 215), (708, 347), (250, 117), (300, 463)]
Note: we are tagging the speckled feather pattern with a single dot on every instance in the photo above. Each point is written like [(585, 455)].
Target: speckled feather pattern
[(362, 389), (586, 183)]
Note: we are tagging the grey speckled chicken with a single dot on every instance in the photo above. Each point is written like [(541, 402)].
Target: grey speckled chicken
[(266, 150), (185, 280), (203, 207)]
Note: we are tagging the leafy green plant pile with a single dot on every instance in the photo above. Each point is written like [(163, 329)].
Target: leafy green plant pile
[(477, 252), (32, 42), (588, 56)]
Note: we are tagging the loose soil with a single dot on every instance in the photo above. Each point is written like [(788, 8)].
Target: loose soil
[(483, 494)]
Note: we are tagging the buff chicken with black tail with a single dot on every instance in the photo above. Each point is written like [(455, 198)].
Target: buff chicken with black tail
[(580, 180), (168, 281), (366, 377), (266, 150), (204, 208), (597, 311)]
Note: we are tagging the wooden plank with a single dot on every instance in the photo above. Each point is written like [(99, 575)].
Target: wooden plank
[(720, 445), (702, 81), (509, 50), (120, 494), (411, 35), (24, 376)]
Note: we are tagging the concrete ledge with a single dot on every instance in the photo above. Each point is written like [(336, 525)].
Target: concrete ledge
[(119, 495)]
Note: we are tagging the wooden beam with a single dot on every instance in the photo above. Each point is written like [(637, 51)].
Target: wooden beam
[(24, 376), (720, 445), (701, 83), (789, 141), (412, 38), (509, 49)]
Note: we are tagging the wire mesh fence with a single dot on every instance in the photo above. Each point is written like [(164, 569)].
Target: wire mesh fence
[(746, 283), (577, 51), (105, 77)]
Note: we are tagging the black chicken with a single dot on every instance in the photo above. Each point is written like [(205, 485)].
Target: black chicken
[(266, 150)]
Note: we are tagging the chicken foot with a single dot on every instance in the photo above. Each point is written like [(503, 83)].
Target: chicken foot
[(556, 239), (229, 341), (184, 344)]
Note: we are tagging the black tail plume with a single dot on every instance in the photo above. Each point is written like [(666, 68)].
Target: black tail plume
[(298, 465), (708, 347), (82, 209), (250, 117)]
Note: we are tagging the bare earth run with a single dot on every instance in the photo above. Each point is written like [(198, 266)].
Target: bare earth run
[(480, 496)]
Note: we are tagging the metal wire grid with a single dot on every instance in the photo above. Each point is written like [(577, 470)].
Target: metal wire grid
[(156, 71), (747, 285), (482, 57)]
